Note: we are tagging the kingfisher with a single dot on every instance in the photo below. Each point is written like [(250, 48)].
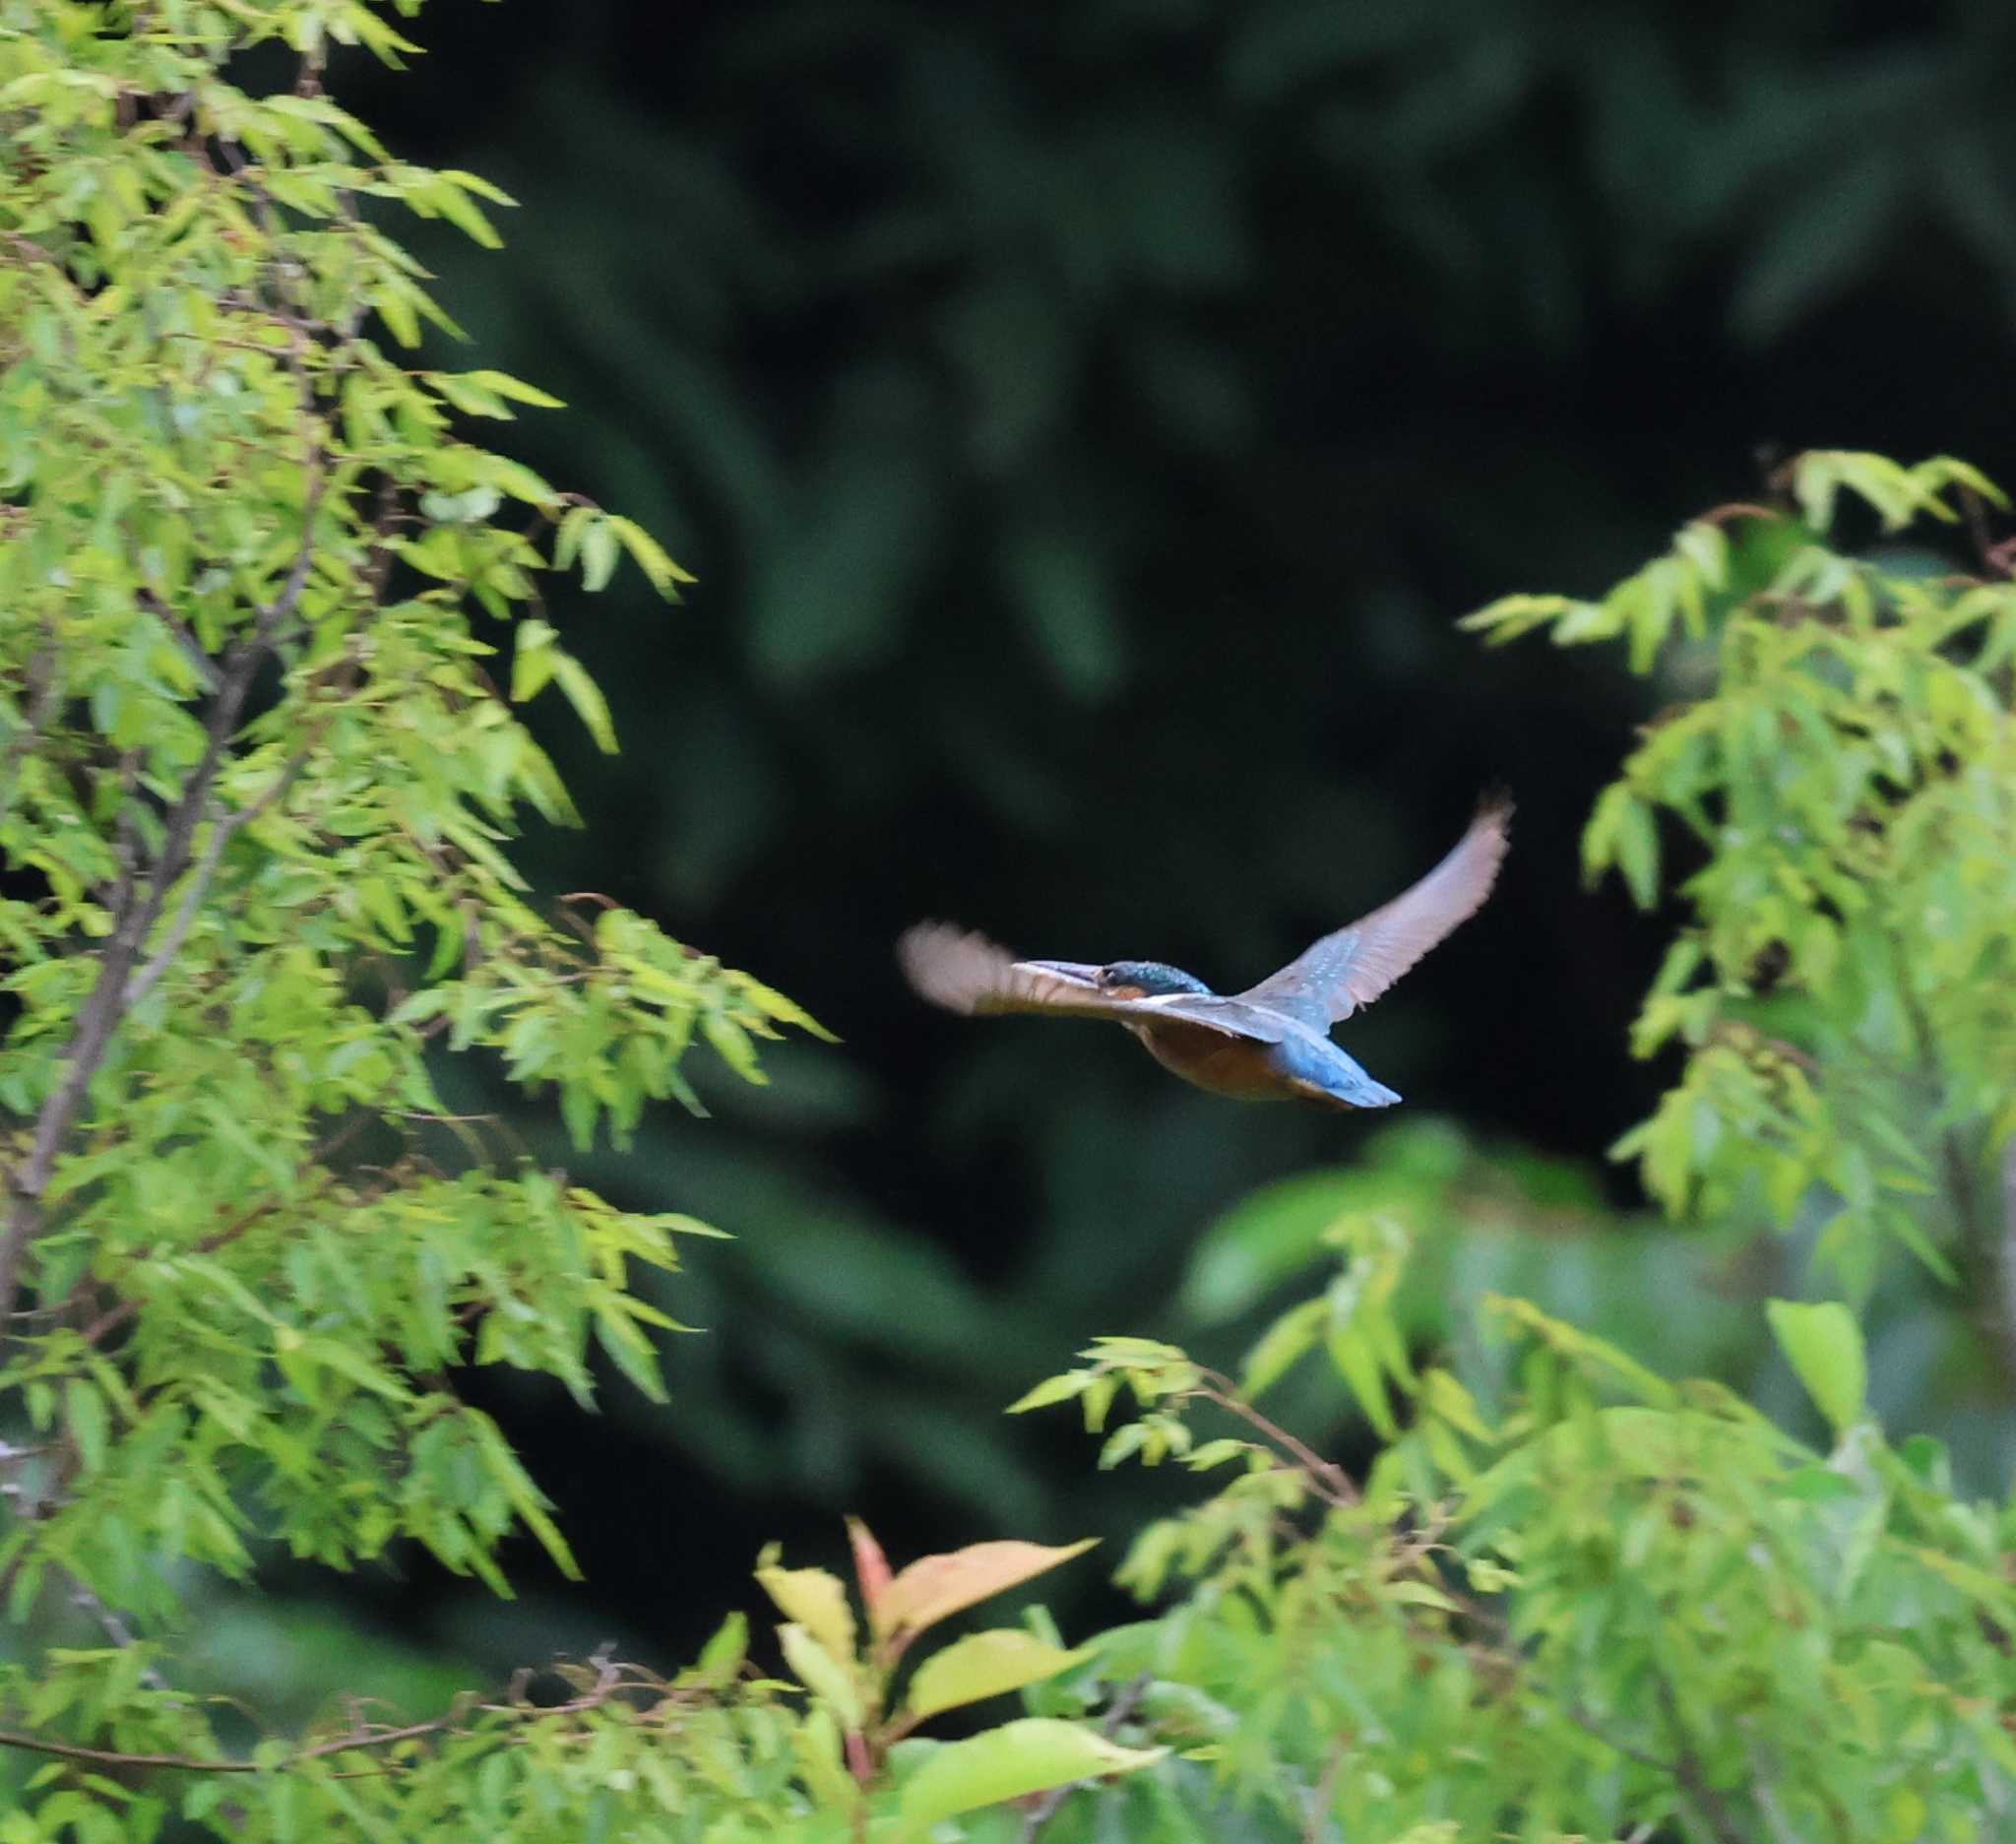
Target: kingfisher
[(1269, 1043)]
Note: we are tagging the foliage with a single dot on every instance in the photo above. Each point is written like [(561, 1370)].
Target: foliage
[(257, 773), (1606, 1602), (1843, 988), (258, 781)]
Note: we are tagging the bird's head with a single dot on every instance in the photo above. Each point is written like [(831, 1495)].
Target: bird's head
[(1123, 980)]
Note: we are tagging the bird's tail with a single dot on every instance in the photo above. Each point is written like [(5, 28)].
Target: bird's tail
[(1349, 1101)]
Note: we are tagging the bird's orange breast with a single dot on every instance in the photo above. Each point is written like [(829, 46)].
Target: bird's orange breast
[(1208, 1059)]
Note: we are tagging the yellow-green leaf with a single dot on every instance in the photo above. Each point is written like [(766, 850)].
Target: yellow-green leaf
[(985, 1663), (1030, 1756), (1824, 1345), (825, 1676), (816, 1601)]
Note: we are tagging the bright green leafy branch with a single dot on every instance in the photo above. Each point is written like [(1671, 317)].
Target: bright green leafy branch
[(258, 767), (1844, 786)]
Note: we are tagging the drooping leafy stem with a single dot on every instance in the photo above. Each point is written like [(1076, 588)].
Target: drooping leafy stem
[(1847, 786)]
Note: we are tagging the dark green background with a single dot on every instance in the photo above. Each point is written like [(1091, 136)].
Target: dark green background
[(1086, 422)]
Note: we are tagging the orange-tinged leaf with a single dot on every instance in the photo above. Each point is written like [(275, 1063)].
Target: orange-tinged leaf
[(871, 1570), (934, 1586)]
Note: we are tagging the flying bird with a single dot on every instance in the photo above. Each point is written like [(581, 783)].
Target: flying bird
[(1269, 1043)]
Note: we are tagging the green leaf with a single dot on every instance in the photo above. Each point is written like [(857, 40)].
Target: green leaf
[(665, 576), (1067, 1387), (1297, 1332), (1032, 1754), (825, 1676), (815, 1600), (597, 554), (817, 1746), (83, 1413), (720, 1658), (503, 384), (982, 1665), (533, 657), (1824, 1345), (586, 696)]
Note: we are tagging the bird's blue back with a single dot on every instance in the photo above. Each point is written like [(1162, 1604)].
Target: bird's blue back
[(1320, 1064)]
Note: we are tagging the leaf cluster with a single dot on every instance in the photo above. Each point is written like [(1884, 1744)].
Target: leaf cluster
[(1842, 790)]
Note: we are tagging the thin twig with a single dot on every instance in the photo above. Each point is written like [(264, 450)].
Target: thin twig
[(1038, 1812), (1766, 1795), (2006, 1241), (1325, 1788), (1219, 1389), (42, 682), (610, 1680), (196, 1763), (221, 833), (1689, 1774), (115, 1629), (1588, 1723)]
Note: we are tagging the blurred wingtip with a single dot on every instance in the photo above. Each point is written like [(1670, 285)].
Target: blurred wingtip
[(946, 964)]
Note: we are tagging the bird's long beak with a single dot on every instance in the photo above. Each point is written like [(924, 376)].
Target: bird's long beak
[(1076, 972)]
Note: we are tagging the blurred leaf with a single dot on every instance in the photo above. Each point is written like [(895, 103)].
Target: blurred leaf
[(1819, 243), (925, 1591), (1825, 1347), (1027, 1755), (815, 1600), (984, 1665)]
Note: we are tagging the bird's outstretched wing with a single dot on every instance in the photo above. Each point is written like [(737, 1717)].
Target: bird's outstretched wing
[(968, 974), (1332, 977)]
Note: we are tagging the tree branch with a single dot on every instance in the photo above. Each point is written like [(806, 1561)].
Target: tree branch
[(1323, 1473), (610, 1680), (197, 1763), (1038, 1811), (1689, 1774), (136, 915), (2005, 1251), (226, 827), (86, 1599), (42, 682)]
